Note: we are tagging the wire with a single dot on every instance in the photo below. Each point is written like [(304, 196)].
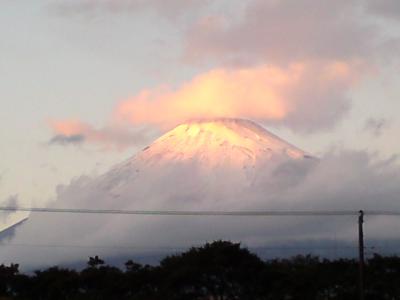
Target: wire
[(288, 248), (185, 213), (369, 249), (382, 213), (244, 213)]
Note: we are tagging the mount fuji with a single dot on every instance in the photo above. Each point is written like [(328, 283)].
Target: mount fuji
[(203, 165), (206, 157), (213, 164)]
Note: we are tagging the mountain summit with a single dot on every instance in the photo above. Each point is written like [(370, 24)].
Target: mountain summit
[(219, 142)]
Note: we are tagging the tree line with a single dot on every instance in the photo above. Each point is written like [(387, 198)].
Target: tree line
[(221, 270)]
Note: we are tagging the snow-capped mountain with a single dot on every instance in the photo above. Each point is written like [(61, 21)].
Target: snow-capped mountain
[(219, 164), (205, 155), (218, 142), (211, 161)]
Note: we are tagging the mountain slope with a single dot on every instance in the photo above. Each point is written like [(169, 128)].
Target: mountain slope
[(201, 159), (235, 142), (238, 148)]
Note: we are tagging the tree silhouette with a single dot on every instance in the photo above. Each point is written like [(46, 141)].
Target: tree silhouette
[(220, 271), (6, 277), (95, 262)]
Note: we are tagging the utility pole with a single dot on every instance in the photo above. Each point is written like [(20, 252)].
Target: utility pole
[(361, 255)]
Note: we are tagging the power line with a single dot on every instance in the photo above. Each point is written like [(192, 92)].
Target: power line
[(253, 213), (381, 213), (288, 248), (179, 213), (370, 249), (244, 213)]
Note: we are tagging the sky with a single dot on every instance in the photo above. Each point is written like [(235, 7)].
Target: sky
[(82, 60), (85, 84)]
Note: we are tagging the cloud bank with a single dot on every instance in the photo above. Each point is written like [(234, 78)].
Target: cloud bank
[(340, 180)]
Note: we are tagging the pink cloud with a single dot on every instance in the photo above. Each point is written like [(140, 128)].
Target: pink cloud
[(109, 137), (305, 96)]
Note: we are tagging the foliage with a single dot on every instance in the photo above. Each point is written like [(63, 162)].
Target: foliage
[(220, 270)]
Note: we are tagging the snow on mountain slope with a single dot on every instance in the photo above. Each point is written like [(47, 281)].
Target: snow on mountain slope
[(235, 142), (207, 154)]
